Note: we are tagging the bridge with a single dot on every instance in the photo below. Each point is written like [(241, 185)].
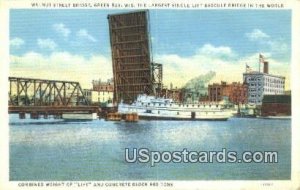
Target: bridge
[(46, 97)]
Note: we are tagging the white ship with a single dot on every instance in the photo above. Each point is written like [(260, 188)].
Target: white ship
[(150, 107)]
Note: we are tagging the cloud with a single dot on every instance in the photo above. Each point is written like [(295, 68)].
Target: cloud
[(16, 42), (256, 34), (61, 29), (83, 33), (221, 51), (276, 47), (61, 66), (46, 44), (228, 68)]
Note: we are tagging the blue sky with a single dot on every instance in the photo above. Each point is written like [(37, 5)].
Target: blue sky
[(178, 36)]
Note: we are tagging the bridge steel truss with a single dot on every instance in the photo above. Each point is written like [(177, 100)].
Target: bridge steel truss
[(40, 92), (157, 71)]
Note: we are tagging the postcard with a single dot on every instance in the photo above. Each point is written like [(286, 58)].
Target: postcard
[(150, 94)]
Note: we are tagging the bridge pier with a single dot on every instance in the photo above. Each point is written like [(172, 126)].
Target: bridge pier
[(46, 115), (34, 115), (58, 116)]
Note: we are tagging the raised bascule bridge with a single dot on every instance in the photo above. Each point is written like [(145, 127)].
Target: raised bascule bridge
[(41, 97), (134, 70)]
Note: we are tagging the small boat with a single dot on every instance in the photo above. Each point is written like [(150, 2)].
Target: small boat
[(113, 116), (131, 117), (151, 107)]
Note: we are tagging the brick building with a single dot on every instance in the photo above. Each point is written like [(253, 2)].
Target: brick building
[(175, 94), (215, 91), (276, 105), (101, 86), (236, 92)]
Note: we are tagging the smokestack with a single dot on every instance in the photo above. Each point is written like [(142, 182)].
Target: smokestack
[(266, 67)]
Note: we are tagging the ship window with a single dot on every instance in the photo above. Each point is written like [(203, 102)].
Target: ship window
[(148, 104), (158, 112), (198, 105), (159, 104), (217, 105), (148, 111), (178, 113), (193, 105)]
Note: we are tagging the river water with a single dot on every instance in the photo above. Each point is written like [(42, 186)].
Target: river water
[(48, 149)]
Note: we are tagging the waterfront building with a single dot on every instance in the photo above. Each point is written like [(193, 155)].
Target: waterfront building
[(173, 93), (288, 92), (235, 92), (102, 92), (215, 91), (276, 105), (101, 86), (263, 83), (260, 84)]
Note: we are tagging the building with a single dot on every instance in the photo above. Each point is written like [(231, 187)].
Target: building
[(101, 86), (173, 93), (276, 105), (263, 83), (260, 84), (102, 92), (132, 65), (235, 92), (215, 91), (288, 92)]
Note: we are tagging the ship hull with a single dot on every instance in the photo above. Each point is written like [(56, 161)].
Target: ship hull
[(143, 117)]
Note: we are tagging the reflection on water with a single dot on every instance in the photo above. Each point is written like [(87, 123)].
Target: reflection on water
[(94, 150)]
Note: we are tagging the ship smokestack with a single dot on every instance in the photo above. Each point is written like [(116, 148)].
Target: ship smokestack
[(266, 67)]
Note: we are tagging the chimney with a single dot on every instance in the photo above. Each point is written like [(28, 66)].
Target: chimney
[(266, 67)]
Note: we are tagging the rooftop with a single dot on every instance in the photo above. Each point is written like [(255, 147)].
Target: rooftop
[(261, 73)]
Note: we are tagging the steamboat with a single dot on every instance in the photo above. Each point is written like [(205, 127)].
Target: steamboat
[(151, 107)]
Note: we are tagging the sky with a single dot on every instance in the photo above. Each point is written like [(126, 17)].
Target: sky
[(74, 44)]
